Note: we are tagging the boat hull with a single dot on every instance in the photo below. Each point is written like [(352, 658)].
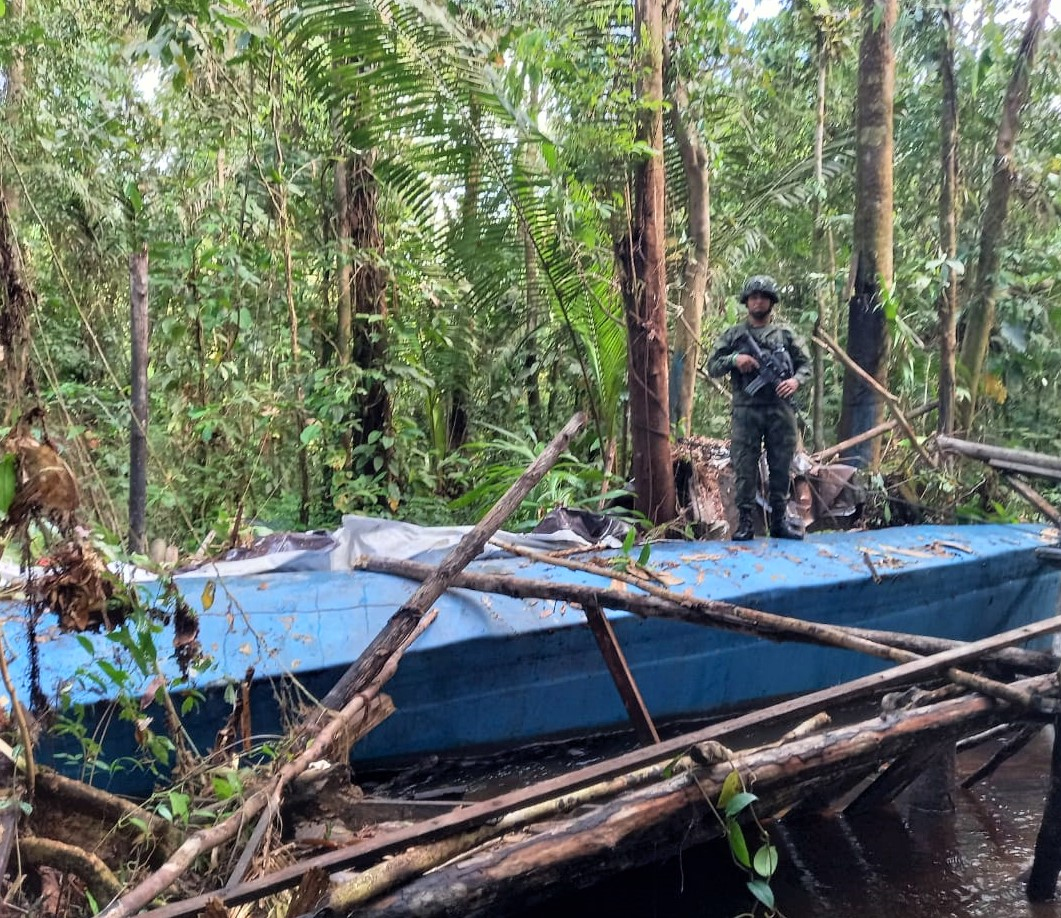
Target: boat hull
[(493, 671)]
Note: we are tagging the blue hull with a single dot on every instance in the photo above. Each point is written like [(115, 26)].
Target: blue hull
[(493, 670)]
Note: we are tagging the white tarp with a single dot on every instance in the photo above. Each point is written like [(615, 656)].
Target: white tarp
[(366, 536)]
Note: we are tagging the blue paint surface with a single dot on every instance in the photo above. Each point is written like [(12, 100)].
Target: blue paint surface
[(493, 669)]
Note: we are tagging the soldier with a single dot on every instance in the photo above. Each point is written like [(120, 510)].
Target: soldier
[(763, 387)]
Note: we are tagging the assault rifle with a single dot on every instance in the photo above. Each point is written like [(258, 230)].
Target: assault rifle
[(774, 366)]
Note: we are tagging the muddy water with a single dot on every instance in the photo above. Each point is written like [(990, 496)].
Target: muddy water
[(896, 863)]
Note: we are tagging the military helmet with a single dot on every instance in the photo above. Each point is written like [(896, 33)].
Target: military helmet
[(760, 283)]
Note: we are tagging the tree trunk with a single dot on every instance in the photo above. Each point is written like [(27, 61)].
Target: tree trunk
[(368, 286), (17, 305), (696, 269), (17, 299), (643, 277), (344, 269), (139, 335), (948, 225), (821, 321), (15, 89), (457, 413), (981, 311), (531, 365), (867, 340)]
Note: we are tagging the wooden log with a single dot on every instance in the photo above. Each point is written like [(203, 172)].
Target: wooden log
[(986, 453), (621, 675), (630, 829), (823, 456), (402, 623), (1033, 662), (9, 816), (1021, 468), (825, 341), (371, 850), (1046, 866)]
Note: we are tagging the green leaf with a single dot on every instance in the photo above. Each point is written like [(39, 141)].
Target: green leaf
[(737, 844), (132, 193), (311, 432), (739, 802), (179, 805), (730, 788), (7, 481), (223, 787), (646, 553), (765, 862), (762, 891)]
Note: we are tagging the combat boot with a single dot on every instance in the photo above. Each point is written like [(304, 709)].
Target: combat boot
[(745, 530), (780, 527)]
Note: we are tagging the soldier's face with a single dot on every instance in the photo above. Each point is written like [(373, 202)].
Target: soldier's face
[(759, 305)]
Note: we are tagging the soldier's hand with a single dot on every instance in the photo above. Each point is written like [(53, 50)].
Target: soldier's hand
[(745, 363), (787, 387)]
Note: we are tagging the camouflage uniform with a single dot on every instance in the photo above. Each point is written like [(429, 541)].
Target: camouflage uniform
[(763, 417)]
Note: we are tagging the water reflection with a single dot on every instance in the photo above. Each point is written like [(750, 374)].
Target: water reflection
[(897, 862)]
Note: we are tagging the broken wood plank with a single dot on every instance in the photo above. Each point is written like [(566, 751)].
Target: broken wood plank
[(366, 853), (614, 659), (402, 623)]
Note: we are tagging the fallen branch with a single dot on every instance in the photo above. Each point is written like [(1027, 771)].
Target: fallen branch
[(892, 401), (1034, 498), (826, 454), (707, 612), (206, 840), (824, 634), (365, 668), (986, 453), (1034, 662), (26, 761)]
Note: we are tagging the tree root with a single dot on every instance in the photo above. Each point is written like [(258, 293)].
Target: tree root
[(87, 867)]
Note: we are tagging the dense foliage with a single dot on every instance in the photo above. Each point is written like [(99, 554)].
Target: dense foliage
[(489, 147)]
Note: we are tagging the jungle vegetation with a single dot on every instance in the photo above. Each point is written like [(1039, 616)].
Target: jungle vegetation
[(392, 245)]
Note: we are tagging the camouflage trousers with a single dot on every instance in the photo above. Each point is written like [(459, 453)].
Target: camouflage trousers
[(753, 425)]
